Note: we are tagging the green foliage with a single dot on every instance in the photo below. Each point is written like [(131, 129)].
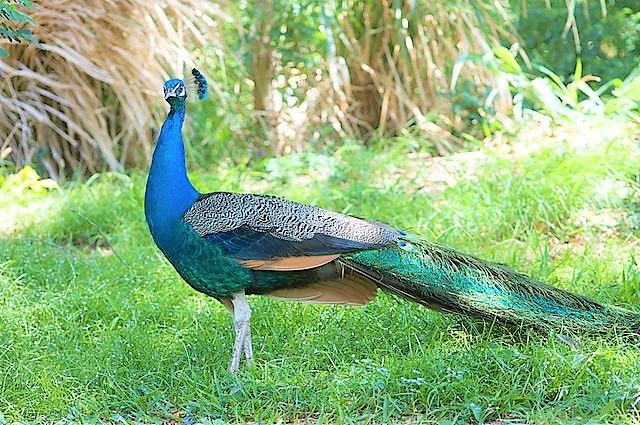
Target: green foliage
[(626, 94), (226, 123), (24, 181), (295, 36), (354, 69), (608, 33), (13, 28), (96, 325), (549, 94)]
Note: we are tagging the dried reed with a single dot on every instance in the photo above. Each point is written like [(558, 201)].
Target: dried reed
[(398, 63), (87, 95)]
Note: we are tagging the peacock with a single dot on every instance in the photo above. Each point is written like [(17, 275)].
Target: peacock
[(229, 245)]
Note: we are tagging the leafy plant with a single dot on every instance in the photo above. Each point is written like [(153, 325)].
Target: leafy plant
[(604, 34), (13, 29), (549, 93), (626, 94)]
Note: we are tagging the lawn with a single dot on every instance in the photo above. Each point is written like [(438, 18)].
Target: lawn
[(96, 325)]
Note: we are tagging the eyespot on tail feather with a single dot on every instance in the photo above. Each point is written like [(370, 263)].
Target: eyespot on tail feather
[(201, 83)]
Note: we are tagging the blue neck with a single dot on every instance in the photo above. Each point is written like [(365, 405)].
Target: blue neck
[(169, 192)]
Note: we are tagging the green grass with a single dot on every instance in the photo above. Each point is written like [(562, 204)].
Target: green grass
[(95, 324)]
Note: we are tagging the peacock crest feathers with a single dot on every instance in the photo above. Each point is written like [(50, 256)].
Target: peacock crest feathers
[(196, 84), (193, 85)]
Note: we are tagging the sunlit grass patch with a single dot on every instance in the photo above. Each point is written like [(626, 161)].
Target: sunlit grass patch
[(96, 325)]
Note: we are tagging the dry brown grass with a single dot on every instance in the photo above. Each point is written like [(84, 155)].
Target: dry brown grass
[(87, 98), (393, 68), (88, 95)]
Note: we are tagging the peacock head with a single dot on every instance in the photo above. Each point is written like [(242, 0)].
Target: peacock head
[(175, 92)]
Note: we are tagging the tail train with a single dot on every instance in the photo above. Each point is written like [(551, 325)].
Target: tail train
[(445, 279)]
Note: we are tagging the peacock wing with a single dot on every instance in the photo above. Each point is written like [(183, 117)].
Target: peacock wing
[(270, 233)]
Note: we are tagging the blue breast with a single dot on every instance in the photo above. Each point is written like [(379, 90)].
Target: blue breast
[(169, 193)]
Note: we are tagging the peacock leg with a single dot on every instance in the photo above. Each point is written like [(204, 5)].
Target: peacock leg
[(248, 350), (241, 318)]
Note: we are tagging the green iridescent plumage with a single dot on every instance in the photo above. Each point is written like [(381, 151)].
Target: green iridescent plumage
[(229, 245), (442, 278)]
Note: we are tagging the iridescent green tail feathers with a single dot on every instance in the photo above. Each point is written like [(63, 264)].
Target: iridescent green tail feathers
[(444, 279)]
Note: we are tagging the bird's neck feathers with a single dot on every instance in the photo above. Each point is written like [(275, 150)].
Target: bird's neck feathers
[(169, 192)]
